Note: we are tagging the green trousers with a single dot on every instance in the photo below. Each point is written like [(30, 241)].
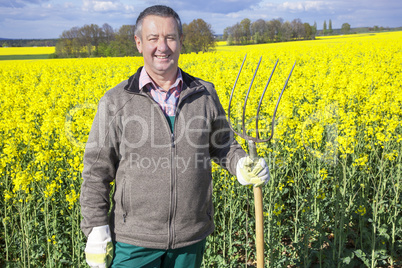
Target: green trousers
[(126, 255)]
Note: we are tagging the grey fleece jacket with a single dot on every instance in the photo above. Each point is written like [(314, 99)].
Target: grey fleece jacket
[(163, 183)]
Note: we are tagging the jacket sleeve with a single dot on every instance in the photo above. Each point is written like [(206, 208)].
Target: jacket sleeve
[(224, 149), (101, 160)]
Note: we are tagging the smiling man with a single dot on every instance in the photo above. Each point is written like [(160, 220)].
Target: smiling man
[(154, 136)]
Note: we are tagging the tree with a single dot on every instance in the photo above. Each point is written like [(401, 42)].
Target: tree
[(345, 28), (125, 42), (245, 27), (69, 44), (81, 41), (226, 33), (108, 33), (198, 36), (286, 31), (259, 31), (308, 32), (91, 36), (330, 31), (234, 34), (275, 29), (105, 46), (298, 30), (314, 30)]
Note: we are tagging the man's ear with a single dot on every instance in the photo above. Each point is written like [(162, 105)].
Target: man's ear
[(138, 43)]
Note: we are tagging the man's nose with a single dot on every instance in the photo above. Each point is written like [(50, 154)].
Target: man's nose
[(162, 44)]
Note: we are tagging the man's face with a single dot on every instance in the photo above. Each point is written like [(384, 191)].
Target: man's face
[(160, 45)]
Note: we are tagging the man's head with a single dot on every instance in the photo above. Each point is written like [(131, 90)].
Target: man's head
[(161, 11), (158, 37)]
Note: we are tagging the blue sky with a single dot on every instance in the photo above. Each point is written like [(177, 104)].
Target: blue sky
[(49, 18)]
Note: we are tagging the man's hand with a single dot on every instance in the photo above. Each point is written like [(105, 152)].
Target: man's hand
[(249, 172), (99, 248)]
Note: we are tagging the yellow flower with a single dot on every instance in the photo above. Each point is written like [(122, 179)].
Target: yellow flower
[(72, 198), (323, 173), (7, 195), (51, 188), (362, 161), (278, 208), (290, 181), (361, 210), (280, 187)]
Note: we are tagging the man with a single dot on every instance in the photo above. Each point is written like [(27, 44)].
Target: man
[(154, 136)]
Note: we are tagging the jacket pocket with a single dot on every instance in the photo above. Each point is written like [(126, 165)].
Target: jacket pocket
[(123, 202)]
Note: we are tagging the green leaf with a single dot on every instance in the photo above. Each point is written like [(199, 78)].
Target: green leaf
[(362, 256), (346, 260)]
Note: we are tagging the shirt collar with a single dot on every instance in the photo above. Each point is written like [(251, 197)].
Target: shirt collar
[(146, 80)]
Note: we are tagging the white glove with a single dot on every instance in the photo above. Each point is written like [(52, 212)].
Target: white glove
[(249, 172), (99, 248)]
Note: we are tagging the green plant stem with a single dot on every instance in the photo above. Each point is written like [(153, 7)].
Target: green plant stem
[(396, 186), (375, 214), (5, 218), (46, 219)]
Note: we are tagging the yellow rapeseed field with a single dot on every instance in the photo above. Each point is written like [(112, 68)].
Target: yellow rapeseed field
[(335, 160), (26, 50)]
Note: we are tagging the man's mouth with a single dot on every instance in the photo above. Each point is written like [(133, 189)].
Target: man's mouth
[(162, 57)]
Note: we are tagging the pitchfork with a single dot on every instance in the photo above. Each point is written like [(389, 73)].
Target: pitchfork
[(253, 153)]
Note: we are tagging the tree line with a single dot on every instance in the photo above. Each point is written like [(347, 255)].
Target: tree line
[(103, 41), (95, 41), (199, 36), (345, 29), (28, 42), (275, 30)]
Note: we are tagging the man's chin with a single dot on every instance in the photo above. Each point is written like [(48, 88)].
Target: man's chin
[(165, 69)]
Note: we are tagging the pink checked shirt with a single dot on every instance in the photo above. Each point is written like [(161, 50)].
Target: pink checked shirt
[(167, 100)]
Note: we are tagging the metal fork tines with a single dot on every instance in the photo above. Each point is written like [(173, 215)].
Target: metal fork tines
[(243, 133)]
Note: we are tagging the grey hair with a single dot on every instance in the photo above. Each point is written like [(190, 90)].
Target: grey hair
[(161, 11)]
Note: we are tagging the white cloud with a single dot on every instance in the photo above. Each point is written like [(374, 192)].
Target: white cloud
[(291, 6), (68, 5), (105, 6), (314, 5), (213, 6), (303, 6)]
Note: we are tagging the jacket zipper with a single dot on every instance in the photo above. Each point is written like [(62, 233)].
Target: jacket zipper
[(122, 201), (172, 176), (172, 192)]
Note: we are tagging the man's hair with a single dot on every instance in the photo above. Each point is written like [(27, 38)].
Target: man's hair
[(161, 11)]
